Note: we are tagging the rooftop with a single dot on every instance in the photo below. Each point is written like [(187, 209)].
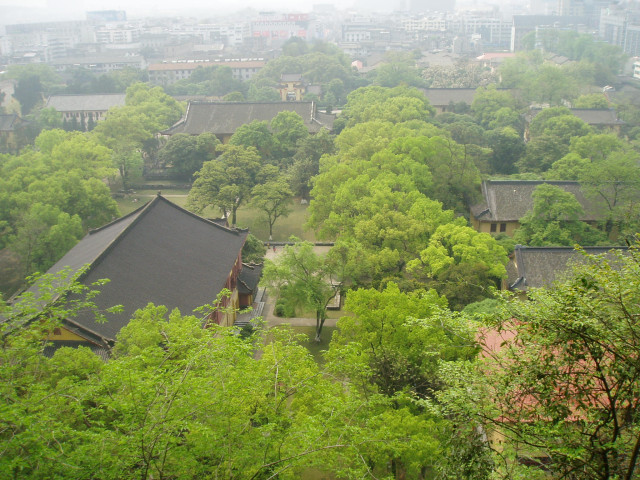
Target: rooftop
[(159, 253), (510, 200), (94, 103), (224, 118)]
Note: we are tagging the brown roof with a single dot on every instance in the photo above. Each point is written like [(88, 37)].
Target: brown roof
[(160, 253), (510, 200), (224, 118), (534, 267)]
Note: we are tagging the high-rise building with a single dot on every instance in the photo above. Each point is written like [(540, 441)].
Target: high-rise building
[(620, 26)]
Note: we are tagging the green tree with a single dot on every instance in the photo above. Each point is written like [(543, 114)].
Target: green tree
[(49, 118), (462, 264), (262, 94), (555, 220), (591, 100), (130, 131), (215, 80), (398, 69), (150, 405), (393, 344), (43, 234), (598, 146), (564, 384), (399, 104), (538, 124), (256, 134), (288, 129), (28, 91), (123, 132), (453, 169), (226, 181), (294, 47), (541, 153), (273, 199), (507, 147), (306, 279), (613, 184), (488, 101), (551, 84), (186, 153), (234, 97), (63, 175), (306, 161), (253, 250)]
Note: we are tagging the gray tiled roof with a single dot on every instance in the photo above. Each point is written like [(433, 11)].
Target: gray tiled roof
[(444, 96), (85, 103), (249, 278), (102, 352), (160, 253), (534, 267), (224, 118), (597, 116), (510, 200), (291, 77)]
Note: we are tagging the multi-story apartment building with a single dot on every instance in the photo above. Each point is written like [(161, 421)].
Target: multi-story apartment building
[(99, 62), (47, 41), (118, 34), (493, 31), (230, 34), (524, 24), (276, 26), (621, 26), (431, 23)]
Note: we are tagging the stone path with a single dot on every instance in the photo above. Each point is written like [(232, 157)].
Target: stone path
[(271, 320)]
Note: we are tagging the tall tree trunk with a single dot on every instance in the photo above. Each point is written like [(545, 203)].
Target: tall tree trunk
[(233, 215), (319, 324)]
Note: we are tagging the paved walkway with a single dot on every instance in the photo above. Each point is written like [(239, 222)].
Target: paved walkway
[(271, 320)]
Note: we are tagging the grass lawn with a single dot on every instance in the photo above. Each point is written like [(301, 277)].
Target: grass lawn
[(284, 227), (247, 217)]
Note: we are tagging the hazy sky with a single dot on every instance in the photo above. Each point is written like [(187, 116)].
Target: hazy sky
[(159, 6)]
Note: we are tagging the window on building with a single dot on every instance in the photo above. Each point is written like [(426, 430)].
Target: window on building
[(493, 227), (503, 227)]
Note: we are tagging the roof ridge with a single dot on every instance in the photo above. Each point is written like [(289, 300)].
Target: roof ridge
[(235, 231), (119, 219)]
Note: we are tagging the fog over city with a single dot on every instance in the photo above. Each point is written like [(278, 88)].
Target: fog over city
[(13, 11), (29, 11)]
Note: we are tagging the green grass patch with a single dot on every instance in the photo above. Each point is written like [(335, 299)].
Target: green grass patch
[(283, 229), (248, 217)]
